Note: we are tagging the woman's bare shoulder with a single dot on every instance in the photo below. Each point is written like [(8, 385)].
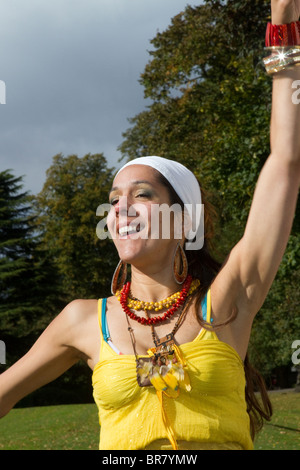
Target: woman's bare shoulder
[(77, 317), (78, 327), (80, 309)]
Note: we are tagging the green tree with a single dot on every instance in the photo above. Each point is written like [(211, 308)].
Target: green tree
[(24, 271), (66, 209), (210, 109)]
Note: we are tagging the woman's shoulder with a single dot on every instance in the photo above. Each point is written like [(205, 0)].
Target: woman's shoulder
[(79, 310), (77, 313), (79, 321)]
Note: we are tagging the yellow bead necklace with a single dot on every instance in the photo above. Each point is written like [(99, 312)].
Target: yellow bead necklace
[(137, 304)]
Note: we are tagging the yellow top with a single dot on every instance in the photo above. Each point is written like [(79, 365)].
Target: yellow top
[(211, 416)]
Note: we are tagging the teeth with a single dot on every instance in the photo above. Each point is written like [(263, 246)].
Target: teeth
[(127, 230)]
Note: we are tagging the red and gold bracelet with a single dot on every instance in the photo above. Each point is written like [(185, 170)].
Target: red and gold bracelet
[(283, 41)]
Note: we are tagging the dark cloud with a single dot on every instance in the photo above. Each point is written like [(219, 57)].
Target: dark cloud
[(71, 69)]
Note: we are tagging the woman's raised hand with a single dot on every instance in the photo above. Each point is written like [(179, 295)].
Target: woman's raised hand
[(285, 11)]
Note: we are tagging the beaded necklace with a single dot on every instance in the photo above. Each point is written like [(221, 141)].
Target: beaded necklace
[(178, 300), (165, 366)]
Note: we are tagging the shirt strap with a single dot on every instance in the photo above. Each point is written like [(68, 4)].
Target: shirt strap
[(104, 325), (206, 307)]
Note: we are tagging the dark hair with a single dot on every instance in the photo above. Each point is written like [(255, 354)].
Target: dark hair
[(204, 267)]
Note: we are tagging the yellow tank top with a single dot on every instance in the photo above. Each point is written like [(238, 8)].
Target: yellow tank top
[(212, 415)]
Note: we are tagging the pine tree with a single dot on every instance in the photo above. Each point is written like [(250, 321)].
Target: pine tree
[(24, 270)]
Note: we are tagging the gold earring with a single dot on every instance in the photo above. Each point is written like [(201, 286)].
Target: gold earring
[(118, 279), (180, 265)]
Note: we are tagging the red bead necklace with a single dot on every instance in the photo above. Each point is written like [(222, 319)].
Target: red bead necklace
[(155, 320)]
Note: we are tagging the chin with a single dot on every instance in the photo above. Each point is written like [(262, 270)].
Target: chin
[(136, 252), (129, 252)]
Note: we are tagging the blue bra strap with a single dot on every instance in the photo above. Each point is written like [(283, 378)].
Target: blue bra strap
[(204, 307), (105, 331)]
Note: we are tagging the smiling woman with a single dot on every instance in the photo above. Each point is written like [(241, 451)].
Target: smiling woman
[(168, 348), (158, 266)]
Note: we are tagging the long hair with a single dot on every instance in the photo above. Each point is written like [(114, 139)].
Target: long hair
[(203, 266)]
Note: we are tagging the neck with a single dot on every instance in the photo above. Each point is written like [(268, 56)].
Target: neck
[(153, 286)]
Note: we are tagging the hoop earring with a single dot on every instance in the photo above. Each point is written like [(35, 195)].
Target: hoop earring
[(119, 277), (180, 265)]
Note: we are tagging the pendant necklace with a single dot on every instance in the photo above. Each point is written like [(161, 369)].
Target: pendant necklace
[(165, 366)]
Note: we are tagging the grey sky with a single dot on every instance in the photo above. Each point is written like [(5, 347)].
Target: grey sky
[(71, 70)]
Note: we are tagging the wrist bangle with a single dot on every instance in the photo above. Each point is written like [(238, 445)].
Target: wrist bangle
[(283, 34), (281, 58)]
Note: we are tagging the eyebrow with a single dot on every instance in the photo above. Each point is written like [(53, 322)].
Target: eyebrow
[(135, 183)]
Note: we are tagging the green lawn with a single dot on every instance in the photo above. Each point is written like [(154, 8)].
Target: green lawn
[(75, 427), (275, 435), (64, 427)]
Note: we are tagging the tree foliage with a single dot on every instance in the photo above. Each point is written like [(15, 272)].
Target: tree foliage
[(66, 209)]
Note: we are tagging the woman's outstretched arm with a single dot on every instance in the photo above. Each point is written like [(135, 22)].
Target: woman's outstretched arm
[(53, 353)]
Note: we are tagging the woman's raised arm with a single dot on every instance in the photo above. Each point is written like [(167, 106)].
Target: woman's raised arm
[(253, 263)]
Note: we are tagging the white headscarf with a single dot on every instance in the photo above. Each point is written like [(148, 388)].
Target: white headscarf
[(186, 186)]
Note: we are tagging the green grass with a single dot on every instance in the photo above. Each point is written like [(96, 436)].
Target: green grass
[(75, 427), (275, 435), (64, 427)]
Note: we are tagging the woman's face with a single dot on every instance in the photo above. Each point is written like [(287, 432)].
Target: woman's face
[(140, 221)]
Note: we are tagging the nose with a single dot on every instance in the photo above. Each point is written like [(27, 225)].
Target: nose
[(122, 206), (125, 208)]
